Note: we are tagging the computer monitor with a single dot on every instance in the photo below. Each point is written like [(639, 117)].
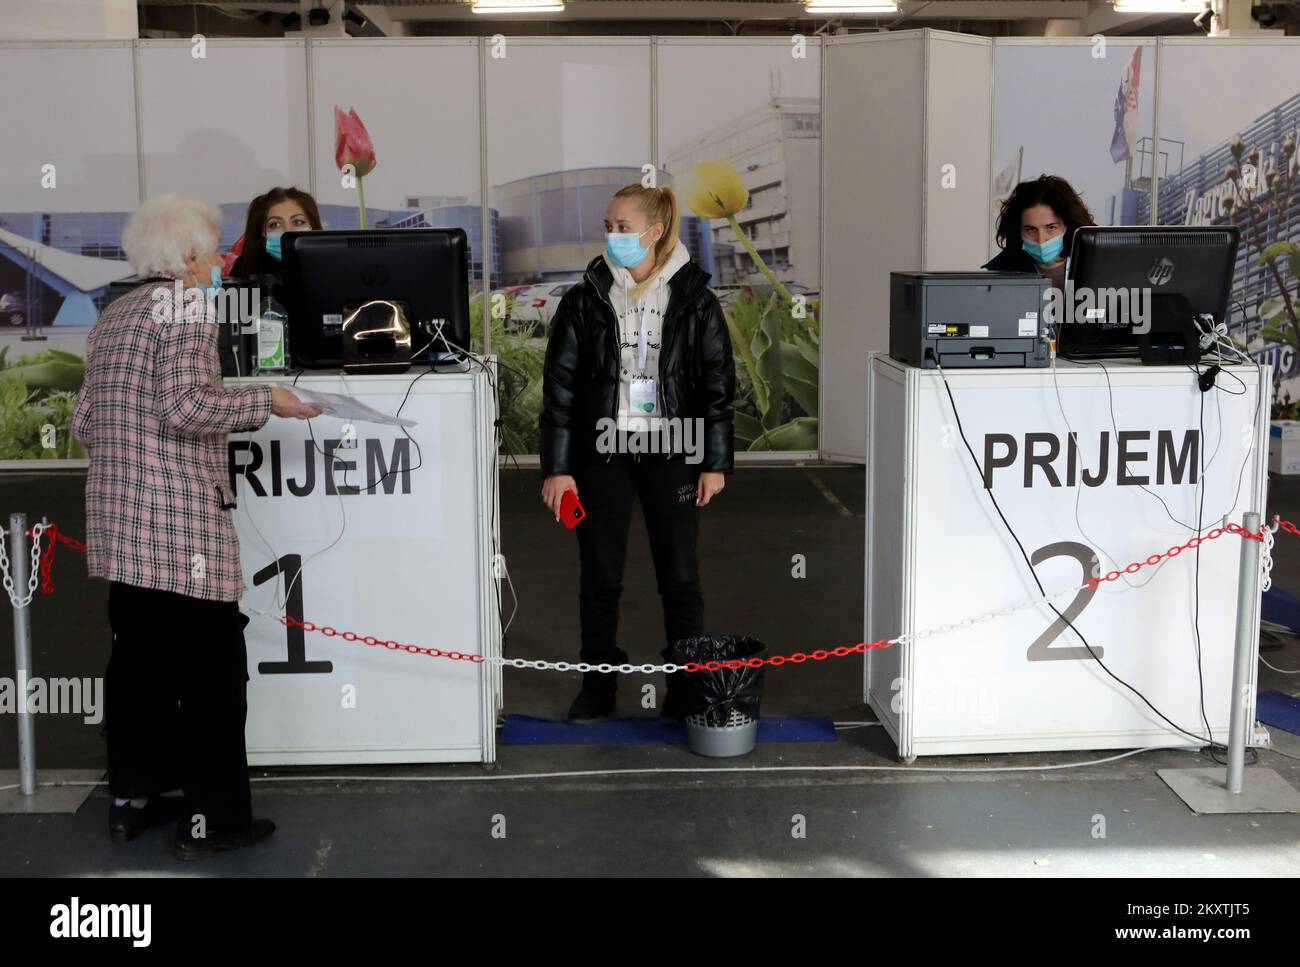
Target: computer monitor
[(329, 275), (1173, 274)]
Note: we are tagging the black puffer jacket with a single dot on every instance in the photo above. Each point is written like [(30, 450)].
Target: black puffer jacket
[(1011, 260), (697, 376)]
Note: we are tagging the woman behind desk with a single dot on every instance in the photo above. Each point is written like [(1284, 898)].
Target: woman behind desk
[(259, 268), (1036, 228), (270, 215)]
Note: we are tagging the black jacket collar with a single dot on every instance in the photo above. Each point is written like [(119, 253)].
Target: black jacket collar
[(1011, 260), (683, 287)]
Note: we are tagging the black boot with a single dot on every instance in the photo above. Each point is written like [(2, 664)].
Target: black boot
[(126, 822), (596, 699), (676, 697), (188, 848)]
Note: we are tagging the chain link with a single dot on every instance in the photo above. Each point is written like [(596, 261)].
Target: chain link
[(1266, 564), (1266, 559), (798, 657), (33, 574)]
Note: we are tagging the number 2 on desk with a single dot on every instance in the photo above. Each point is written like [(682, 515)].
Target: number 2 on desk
[(1041, 649)]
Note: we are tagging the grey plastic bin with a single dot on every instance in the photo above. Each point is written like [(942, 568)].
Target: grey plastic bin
[(722, 715)]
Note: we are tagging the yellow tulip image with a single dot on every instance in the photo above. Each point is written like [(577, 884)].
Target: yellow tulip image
[(715, 190)]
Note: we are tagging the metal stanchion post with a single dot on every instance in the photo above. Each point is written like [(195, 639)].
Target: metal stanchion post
[(64, 790), (1209, 790), (1247, 594), (22, 655)]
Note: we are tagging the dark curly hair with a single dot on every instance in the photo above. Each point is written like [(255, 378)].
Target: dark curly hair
[(253, 259), (1054, 192)]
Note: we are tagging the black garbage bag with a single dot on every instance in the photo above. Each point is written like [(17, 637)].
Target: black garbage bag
[(715, 694)]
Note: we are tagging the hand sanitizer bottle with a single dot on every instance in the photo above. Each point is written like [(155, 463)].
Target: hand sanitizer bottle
[(272, 338)]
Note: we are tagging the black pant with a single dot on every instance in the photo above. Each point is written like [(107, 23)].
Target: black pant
[(176, 700), (667, 491)]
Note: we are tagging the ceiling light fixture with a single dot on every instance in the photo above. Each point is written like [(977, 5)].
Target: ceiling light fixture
[(517, 6)]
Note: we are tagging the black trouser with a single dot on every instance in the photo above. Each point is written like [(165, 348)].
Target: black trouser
[(667, 491), (175, 701)]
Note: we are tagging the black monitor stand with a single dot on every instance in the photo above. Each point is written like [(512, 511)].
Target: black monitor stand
[(1173, 339)]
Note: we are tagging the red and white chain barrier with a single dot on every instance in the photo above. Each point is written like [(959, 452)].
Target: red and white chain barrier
[(46, 562)]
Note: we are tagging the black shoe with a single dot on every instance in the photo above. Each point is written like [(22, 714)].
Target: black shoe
[(596, 699), (126, 822), (676, 698), (189, 848)]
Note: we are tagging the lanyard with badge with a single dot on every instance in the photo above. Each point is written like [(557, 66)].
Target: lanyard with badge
[(642, 387)]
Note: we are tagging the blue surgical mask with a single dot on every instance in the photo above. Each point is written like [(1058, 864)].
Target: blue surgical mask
[(1046, 253), (625, 248), (273, 246), (212, 290)]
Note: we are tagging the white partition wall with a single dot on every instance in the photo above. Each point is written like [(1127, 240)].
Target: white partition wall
[(958, 151), (419, 102), (226, 125), (906, 162)]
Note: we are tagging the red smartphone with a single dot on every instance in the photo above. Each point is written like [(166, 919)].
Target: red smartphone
[(571, 512)]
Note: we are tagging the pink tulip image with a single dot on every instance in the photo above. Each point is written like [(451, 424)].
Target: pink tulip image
[(352, 146), (352, 143), (232, 256)]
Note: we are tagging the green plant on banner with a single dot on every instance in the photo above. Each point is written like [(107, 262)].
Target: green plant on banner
[(1255, 195), (35, 392), (776, 385), (520, 360), (774, 335)]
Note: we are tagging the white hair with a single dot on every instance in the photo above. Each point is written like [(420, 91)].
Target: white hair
[(167, 228)]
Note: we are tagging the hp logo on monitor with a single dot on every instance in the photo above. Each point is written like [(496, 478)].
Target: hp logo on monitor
[(374, 274), (1162, 272)]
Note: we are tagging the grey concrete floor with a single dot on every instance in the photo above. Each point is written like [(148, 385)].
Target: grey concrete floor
[(858, 813)]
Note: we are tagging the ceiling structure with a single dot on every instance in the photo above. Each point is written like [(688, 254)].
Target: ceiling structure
[(691, 17)]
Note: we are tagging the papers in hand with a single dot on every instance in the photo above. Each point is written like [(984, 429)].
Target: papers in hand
[(348, 408)]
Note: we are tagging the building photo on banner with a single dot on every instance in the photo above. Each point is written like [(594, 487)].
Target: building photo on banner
[(652, 439), (744, 160)]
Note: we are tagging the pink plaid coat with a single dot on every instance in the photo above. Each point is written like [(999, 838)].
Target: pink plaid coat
[(154, 415)]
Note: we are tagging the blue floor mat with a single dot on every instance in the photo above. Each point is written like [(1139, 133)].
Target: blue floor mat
[(1281, 607), (1280, 710), (647, 730)]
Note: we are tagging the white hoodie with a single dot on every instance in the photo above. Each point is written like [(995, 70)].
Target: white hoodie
[(655, 303)]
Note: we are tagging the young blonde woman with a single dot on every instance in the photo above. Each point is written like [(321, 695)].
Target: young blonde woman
[(637, 403)]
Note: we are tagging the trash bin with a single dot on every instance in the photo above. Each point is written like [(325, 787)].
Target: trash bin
[(722, 705)]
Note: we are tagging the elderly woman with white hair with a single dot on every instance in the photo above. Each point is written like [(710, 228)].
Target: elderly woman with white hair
[(155, 416)]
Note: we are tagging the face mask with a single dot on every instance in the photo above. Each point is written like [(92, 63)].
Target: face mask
[(273, 246), (625, 249), (212, 290), (1046, 253)]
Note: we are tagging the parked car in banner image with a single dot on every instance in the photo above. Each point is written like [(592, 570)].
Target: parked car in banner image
[(535, 305), (13, 309)]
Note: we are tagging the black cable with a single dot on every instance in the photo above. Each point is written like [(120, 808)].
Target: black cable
[(1110, 396), (1041, 590), (419, 454), (1196, 579)]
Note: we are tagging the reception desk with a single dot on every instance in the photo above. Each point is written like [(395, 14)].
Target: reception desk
[(1130, 485), (379, 531)]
